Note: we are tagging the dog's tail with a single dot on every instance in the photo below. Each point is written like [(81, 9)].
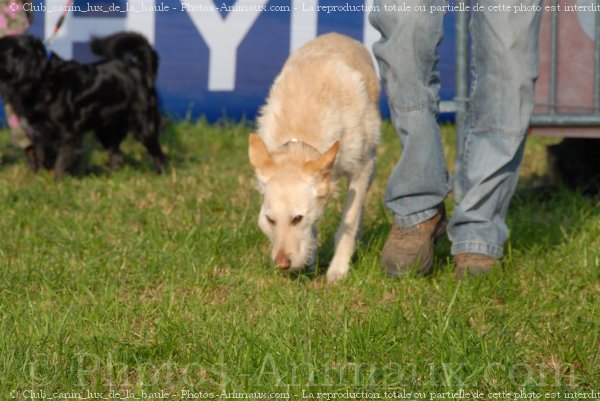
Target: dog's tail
[(130, 47)]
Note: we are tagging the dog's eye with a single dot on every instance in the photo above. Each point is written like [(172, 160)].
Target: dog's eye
[(297, 220), (270, 220)]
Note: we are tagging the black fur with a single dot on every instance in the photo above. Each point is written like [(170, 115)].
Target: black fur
[(575, 162), (61, 100)]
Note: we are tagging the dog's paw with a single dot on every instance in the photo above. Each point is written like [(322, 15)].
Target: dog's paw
[(336, 273)]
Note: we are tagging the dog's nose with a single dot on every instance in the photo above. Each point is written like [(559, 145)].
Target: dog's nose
[(282, 260)]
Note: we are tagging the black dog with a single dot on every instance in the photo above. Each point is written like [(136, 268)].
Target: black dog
[(61, 100)]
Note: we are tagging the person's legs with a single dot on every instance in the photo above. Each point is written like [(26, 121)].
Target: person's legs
[(505, 65), (407, 57)]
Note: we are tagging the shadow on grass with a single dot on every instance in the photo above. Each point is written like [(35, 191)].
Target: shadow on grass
[(550, 218), (535, 219), (94, 160)]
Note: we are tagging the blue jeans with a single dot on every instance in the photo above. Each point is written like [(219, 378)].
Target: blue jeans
[(489, 149)]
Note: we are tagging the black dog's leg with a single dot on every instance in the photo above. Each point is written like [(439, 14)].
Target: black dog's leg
[(35, 157), (50, 153), (111, 141), (44, 156), (148, 135), (32, 159), (117, 158), (37, 153), (69, 156), (158, 156), (152, 140)]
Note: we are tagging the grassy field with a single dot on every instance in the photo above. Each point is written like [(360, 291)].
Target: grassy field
[(128, 284)]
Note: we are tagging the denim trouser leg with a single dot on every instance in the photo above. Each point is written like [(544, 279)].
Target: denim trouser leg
[(505, 61), (407, 56)]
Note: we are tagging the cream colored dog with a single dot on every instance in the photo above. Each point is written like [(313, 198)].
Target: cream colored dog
[(321, 120)]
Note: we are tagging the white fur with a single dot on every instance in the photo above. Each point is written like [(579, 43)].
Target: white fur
[(327, 93)]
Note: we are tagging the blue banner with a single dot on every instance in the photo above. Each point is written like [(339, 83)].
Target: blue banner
[(217, 58)]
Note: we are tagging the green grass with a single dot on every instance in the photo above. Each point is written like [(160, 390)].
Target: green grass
[(129, 281)]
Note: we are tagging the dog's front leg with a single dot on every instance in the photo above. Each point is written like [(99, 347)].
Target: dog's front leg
[(69, 154), (149, 135), (345, 237), (35, 157)]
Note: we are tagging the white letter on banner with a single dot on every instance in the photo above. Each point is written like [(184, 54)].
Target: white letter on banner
[(80, 29), (223, 36), (304, 23)]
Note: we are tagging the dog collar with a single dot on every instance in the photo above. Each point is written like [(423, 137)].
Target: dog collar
[(295, 141)]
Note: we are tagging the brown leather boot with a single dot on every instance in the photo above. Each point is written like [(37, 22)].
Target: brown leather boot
[(412, 247), (473, 264)]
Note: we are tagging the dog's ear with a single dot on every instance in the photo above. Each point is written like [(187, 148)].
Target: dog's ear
[(324, 164), (260, 158), (322, 168)]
